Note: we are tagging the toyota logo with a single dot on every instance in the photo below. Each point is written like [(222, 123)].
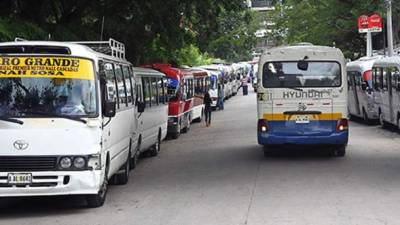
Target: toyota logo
[(21, 145)]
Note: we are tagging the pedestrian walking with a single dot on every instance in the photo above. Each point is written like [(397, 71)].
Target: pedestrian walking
[(207, 108), (221, 96), (245, 82)]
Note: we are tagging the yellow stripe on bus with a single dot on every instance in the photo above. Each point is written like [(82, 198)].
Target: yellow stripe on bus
[(315, 117), (46, 67)]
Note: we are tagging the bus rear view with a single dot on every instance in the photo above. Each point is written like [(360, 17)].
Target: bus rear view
[(302, 99)]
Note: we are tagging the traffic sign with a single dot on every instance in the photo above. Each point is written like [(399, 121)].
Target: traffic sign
[(375, 23), (363, 24)]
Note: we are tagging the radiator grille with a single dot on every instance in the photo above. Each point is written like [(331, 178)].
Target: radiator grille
[(26, 163)]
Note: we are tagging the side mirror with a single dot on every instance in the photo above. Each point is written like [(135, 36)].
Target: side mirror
[(110, 109), (141, 107)]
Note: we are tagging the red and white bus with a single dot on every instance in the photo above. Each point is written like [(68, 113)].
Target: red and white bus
[(180, 94)]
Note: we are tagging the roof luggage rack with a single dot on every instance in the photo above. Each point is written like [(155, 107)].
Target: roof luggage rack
[(111, 47)]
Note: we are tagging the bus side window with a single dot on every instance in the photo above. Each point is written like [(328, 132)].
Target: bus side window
[(146, 91), (383, 79), (160, 88), (111, 85), (396, 79), (121, 86), (139, 91), (375, 77), (349, 81), (154, 91), (129, 85)]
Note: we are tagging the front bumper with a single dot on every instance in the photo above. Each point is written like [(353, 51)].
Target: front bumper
[(54, 183), (333, 139)]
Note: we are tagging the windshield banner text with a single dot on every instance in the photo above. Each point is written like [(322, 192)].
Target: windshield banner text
[(46, 67)]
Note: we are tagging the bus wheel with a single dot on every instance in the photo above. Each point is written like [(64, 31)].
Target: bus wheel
[(97, 200), (156, 147), (339, 151), (122, 177)]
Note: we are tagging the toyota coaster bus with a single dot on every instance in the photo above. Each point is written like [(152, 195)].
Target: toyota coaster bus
[(302, 98), (67, 119)]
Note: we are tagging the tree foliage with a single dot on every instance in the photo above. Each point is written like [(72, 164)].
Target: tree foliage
[(327, 22), (153, 30)]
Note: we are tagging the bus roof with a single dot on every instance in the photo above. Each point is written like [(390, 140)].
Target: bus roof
[(363, 64), (55, 48), (388, 61), (299, 52), (147, 72)]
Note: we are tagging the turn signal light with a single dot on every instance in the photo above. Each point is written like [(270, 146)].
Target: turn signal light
[(262, 126), (342, 125)]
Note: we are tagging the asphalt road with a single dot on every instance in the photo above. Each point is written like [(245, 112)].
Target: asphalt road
[(218, 175)]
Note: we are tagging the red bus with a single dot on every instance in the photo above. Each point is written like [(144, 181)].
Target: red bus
[(180, 93)]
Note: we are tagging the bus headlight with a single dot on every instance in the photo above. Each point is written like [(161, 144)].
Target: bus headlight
[(79, 162), (262, 126), (65, 163)]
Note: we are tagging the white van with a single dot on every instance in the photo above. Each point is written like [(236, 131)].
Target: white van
[(151, 87), (386, 82), (67, 118), (361, 96)]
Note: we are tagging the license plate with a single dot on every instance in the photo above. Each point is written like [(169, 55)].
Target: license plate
[(19, 178), (302, 119)]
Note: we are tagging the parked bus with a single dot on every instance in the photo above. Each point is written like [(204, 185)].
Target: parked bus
[(386, 82), (180, 89), (361, 99), (151, 88), (201, 84), (302, 98), (67, 118), (212, 85)]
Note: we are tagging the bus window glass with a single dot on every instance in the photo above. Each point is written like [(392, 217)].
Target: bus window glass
[(173, 89), (213, 82), (111, 85), (146, 91), (154, 91), (160, 87), (384, 79), (121, 86), (287, 74), (128, 84)]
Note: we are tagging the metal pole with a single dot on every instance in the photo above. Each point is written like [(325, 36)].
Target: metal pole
[(389, 27), (369, 44)]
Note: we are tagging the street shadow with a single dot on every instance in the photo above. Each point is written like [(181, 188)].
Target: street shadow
[(18, 207)]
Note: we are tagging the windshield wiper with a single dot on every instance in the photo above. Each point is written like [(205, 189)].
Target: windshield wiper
[(58, 116), (11, 120)]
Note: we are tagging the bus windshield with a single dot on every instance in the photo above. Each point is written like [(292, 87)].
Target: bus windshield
[(172, 89), (26, 97), (36, 86), (287, 74)]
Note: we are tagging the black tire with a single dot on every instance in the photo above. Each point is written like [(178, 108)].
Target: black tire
[(156, 148), (97, 200), (339, 151), (123, 177)]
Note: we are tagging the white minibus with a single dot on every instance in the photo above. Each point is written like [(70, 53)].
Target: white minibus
[(67, 118), (302, 98), (386, 82), (151, 87), (361, 96)]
